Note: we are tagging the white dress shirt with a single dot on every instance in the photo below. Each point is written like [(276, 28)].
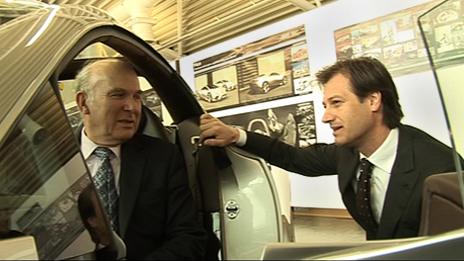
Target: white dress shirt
[(382, 159), (93, 162)]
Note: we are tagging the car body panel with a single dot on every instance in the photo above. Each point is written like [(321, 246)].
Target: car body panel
[(45, 34), (246, 187)]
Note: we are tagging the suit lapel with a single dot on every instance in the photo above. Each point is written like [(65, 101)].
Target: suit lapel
[(347, 171), (400, 186), (349, 160), (132, 165)]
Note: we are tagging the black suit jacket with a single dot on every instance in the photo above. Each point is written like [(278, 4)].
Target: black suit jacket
[(418, 156), (157, 217)]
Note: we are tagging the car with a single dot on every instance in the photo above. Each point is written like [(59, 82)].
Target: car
[(226, 84), (212, 93), (44, 175), (264, 82)]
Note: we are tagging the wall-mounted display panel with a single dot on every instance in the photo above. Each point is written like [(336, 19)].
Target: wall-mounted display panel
[(274, 67), (394, 39), (293, 124)]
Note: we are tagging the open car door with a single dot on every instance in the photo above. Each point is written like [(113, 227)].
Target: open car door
[(43, 174)]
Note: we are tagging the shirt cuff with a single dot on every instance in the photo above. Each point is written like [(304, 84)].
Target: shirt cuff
[(242, 137)]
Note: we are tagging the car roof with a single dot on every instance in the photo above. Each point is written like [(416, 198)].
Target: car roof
[(28, 28)]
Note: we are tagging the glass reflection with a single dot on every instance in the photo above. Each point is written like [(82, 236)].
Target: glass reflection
[(45, 190), (442, 30)]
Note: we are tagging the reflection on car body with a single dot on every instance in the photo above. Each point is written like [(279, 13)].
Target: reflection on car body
[(212, 93), (264, 82)]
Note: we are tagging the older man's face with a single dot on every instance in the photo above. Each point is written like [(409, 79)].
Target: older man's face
[(114, 110)]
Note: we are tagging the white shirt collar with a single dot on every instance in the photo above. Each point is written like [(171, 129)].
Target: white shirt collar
[(88, 146), (384, 156)]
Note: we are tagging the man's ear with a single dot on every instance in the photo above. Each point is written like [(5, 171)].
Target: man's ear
[(82, 100), (375, 101)]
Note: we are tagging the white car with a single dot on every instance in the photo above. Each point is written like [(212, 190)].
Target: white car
[(228, 85), (264, 82), (212, 93)]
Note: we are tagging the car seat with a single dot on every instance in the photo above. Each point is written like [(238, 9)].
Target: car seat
[(441, 204), (201, 172)]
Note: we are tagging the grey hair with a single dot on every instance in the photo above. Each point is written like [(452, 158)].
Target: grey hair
[(84, 81), (88, 76)]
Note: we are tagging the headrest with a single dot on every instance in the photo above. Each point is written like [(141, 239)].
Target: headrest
[(151, 125)]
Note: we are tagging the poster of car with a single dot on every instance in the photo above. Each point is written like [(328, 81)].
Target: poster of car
[(260, 71), (217, 89), (271, 78), (293, 124), (395, 39)]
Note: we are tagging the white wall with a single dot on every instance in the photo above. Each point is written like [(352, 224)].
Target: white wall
[(418, 92)]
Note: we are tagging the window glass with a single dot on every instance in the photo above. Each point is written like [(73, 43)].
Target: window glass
[(442, 29), (42, 177)]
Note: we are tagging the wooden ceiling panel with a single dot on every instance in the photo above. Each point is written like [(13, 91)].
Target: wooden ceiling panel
[(187, 26)]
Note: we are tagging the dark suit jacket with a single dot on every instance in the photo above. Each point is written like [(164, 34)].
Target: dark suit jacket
[(418, 156), (157, 217)]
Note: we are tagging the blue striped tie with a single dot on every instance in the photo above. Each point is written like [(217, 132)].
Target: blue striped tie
[(106, 186)]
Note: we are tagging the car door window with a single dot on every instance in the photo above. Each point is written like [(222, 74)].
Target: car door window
[(42, 177)]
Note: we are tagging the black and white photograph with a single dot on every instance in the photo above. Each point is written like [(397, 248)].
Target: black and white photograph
[(293, 124), (305, 85), (151, 99), (74, 116)]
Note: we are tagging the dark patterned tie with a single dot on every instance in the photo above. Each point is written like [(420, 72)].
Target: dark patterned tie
[(105, 184), (363, 196)]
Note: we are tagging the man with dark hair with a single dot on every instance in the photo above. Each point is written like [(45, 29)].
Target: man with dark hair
[(381, 164), (141, 180), (94, 221)]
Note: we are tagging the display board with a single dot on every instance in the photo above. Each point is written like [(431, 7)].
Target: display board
[(270, 68), (293, 124), (395, 39)]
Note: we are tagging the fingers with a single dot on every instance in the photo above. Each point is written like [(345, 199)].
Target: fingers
[(206, 127), (213, 142), (206, 120), (214, 132)]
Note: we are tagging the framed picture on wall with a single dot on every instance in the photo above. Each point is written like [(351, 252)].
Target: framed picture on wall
[(293, 124), (151, 99), (260, 71), (395, 39)]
